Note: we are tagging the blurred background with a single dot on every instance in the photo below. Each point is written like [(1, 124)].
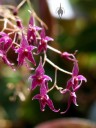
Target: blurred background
[(75, 30)]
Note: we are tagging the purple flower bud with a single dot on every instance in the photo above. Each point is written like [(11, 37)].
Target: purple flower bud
[(19, 23), (68, 56), (15, 11)]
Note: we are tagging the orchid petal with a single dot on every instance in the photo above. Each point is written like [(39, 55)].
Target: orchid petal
[(42, 47), (75, 70), (42, 34), (77, 87), (68, 106), (43, 89), (64, 91), (49, 38), (38, 28), (31, 21), (51, 106), (6, 61), (47, 78), (24, 42), (34, 84), (3, 34), (8, 44), (81, 77), (38, 96), (42, 105), (31, 58), (40, 69), (20, 59), (73, 98), (69, 83)]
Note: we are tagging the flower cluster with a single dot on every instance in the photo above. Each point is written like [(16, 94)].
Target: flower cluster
[(28, 44), (73, 85)]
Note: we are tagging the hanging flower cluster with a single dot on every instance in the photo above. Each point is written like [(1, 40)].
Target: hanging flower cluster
[(28, 44)]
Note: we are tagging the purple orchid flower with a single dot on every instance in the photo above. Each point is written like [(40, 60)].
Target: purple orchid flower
[(68, 56), (31, 33), (72, 99), (39, 77), (25, 51), (76, 80), (43, 41), (5, 41), (44, 99), (5, 45)]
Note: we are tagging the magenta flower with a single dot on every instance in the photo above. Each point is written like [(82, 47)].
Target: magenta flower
[(31, 33), (76, 80), (39, 77), (72, 99), (5, 41), (43, 41), (5, 45), (44, 99), (25, 51), (68, 56)]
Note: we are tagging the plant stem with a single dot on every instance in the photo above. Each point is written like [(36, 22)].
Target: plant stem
[(53, 49), (55, 80), (57, 67), (21, 4), (5, 24)]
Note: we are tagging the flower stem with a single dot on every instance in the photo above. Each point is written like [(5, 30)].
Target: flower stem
[(57, 67), (53, 49), (55, 81), (5, 24), (21, 4)]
